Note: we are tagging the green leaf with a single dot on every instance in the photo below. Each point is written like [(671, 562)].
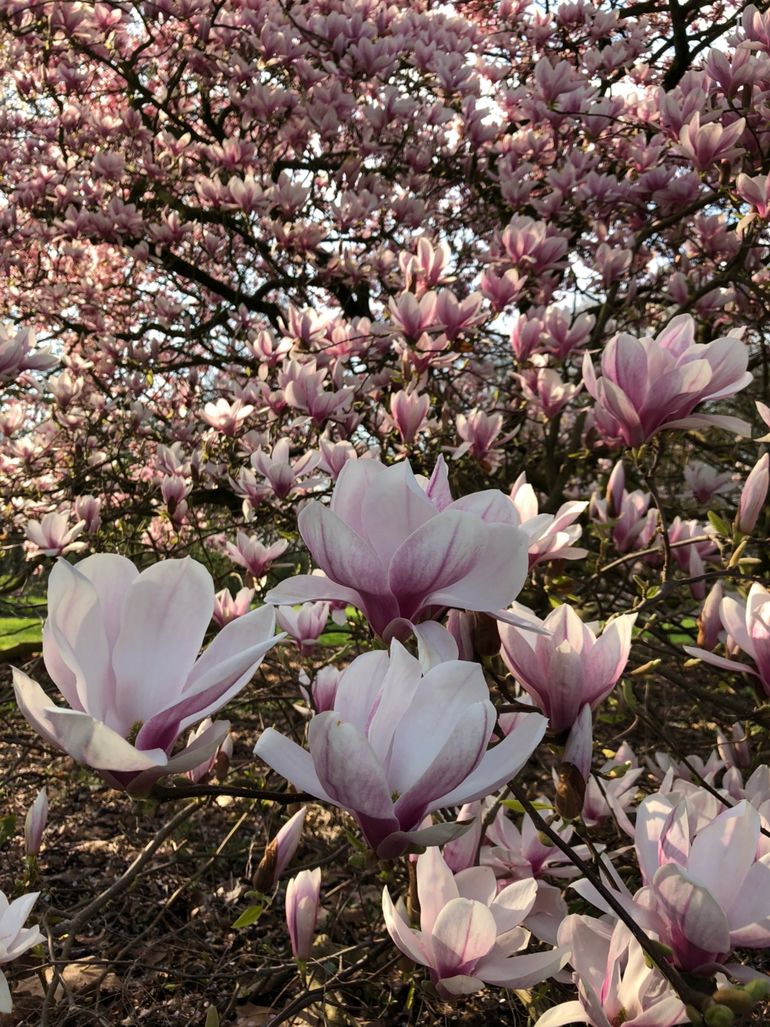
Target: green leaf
[(249, 916), (212, 1017), (718, 523), (517, 807)]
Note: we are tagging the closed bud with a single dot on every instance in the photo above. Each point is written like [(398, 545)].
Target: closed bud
[(735, 999), (34, 823), (570, 791), (758, 989), (279, 852), (719, 1016), (302, 898)]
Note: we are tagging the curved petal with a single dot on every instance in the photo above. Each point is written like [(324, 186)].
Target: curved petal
[(292, 762), (464, 932), (499, 764), (304, 588), (221, 672), (165, 615), (435, 887), (393, 507), (403, 936), (458, 756), (348, 768), (521, 971), (723, 852), (563, 1014), (343, 555), (456, 559)]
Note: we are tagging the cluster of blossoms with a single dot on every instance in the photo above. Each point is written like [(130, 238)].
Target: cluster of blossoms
[(426, 328)]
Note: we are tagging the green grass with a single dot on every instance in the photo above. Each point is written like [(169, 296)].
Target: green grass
[(16, 630)]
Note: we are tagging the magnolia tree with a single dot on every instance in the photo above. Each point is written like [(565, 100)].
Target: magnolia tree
[(435, 337)]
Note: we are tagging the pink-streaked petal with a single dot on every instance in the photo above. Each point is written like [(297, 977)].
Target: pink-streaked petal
[(403, 936), (521, 971), (436, 887), (359, 688), (463, 932), (435, 708), (165, 615), (499, 764), (394, 506), (308, 588), (348, 768), (691, 910), (723, 852), (353, 482), (458, 560), (342, 555), (290, 761), (460, 753)]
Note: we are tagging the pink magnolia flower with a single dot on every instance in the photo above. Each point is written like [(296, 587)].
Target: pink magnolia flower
[(219, 760), (122, 648), (705, 482), (755, 191), (398, 744), (252, 554), (409, 410), (302, 898), (705, 886), (15, 938), (568, 666), (16, 354), (551, 536), (305, 624), (398, 549), (323, 688), (227, 607), (279, 470), (616, 985), (469, 932), (53, 536), (226, 417), (650, 384), (748, 625)]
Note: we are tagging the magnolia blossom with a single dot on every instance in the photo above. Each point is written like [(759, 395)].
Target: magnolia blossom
[(14, 937), (568, 666), (122, 648), (469, 932), (53, 536), (748, 625), (16, 354), (551, 536), (398, 744), (302, 897), (398, 548), (705, 886), (305, 625), (649, 384), (250, 553), (616, 985)]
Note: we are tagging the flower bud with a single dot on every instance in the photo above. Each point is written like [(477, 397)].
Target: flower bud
[(302, 898), (34, 823), (279, 852), (719, 1016), (753, 495)]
